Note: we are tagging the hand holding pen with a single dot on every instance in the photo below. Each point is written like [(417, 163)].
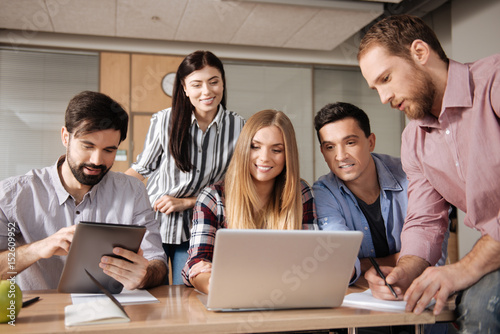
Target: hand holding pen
[(381, 274)]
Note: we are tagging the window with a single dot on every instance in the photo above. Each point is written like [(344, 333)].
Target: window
[(35, 88)]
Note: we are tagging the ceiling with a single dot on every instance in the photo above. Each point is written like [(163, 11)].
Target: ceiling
[(319, 25)]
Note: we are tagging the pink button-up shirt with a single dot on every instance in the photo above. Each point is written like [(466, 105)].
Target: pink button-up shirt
[(455, 159)]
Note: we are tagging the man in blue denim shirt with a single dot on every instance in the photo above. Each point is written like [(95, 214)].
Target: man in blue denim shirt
[(364, 191)]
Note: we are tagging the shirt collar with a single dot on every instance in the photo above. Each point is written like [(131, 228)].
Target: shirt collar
[(217, 119), (386, 179), (458, 93), (61, 193), (340, 184), (427, 122)]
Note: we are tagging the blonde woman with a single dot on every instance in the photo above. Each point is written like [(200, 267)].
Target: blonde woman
[(262, 190)]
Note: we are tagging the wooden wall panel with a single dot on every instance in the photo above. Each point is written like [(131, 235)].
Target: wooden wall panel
[(139, 132), (134, 80), (147, 73), (115, 82)]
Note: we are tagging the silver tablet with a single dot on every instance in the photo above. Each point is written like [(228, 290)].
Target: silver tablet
[(90, 242)]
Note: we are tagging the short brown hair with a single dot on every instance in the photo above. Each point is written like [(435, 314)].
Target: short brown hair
[(396, 33), (89, 112)]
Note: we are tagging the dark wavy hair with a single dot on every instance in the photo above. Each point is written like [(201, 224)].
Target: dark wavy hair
[(179, 139), (89, 112)]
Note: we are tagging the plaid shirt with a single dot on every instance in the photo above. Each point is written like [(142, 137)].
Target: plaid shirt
[(209, 216)]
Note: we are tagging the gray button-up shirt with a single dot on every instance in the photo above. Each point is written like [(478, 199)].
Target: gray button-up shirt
[(36, 205)]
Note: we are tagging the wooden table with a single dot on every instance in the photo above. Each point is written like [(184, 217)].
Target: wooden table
[(180, 311)]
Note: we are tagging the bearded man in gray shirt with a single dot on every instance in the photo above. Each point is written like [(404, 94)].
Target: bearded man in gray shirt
[(39, 211)]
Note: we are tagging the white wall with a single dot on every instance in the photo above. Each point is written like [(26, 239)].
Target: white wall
[(475, 28)]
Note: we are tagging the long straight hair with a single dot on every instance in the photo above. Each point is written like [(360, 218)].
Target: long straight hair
[(284, 209), (179, 135)]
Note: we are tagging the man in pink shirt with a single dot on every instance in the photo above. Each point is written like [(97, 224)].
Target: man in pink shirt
[(451, 155)]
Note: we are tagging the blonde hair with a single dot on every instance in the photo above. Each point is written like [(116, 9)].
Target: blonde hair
[(284, 210)]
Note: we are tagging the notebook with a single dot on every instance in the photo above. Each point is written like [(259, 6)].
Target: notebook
[(271, 269), (100, 311), (366, 300), (90, 242)]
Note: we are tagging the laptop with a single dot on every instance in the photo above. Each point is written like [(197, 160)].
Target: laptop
[(272, 269), (90, 242)]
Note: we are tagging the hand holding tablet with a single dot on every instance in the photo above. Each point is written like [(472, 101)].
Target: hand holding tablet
[(90, 243)]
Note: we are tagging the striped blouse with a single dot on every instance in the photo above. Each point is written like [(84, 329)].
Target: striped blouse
[(211, 152)]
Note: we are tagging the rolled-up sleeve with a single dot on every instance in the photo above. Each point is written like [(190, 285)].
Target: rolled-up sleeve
[(208, 217), (328, 209), (330, 217), (491, 228)]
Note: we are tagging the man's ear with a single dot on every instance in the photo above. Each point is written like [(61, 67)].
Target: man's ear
[(420, 51), (65, 136), (371, 141)]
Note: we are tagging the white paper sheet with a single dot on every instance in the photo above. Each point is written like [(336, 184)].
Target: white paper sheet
[(126, 297)]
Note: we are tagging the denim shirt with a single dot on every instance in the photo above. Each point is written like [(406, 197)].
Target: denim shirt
[(338, 209)]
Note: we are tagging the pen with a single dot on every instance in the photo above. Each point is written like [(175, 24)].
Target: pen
[(377, 268), (31, 301)]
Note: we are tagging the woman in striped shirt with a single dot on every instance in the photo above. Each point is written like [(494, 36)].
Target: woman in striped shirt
[(187, 148), (262, 190)]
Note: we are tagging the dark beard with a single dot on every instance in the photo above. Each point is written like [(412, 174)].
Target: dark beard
[(88, 180)]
